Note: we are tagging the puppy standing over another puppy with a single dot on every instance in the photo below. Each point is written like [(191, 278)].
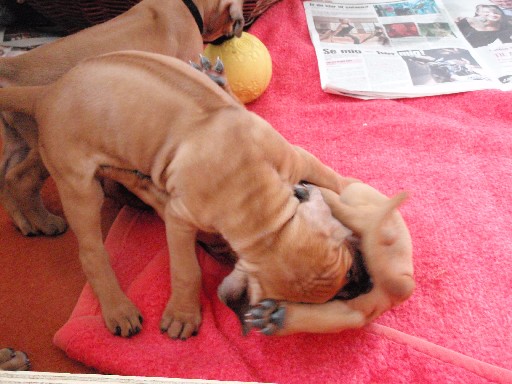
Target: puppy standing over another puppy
[(213, 166), (386, 246), (170, 27)]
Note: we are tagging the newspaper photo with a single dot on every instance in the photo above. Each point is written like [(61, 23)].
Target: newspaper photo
[(396, 49)]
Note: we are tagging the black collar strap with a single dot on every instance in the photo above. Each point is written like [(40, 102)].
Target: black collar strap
[(195, 12)]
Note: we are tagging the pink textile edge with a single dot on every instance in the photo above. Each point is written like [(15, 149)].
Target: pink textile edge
[(128, 217), (478, 367)]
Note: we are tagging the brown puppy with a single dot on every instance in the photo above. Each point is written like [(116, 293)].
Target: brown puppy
[(175, 28), (387, 249), (213, 166), (11, 360)]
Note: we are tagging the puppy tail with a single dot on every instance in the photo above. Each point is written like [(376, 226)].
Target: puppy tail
[(20, 99)]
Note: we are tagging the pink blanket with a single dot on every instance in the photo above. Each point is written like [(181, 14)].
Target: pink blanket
[(453, 153)]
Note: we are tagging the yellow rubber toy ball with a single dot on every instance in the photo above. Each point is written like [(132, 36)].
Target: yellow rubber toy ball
[(247, 63)]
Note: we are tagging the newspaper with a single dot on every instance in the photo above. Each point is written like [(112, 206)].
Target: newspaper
[(395, 49), (17, 40), (68, 378)]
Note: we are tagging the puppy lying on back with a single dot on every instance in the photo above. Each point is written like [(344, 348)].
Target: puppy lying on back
[(171, 27), (386, 246), (208, 164)]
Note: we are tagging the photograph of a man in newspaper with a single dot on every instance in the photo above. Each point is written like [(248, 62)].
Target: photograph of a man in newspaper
[(442, 66)]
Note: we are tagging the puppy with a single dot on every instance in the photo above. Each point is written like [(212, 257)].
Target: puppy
[(205, 163), (386, 246), (175, 28)]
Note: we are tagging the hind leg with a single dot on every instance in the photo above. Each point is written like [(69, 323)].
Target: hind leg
[(22, 175)]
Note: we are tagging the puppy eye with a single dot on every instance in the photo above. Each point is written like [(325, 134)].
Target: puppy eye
[(301, 193)]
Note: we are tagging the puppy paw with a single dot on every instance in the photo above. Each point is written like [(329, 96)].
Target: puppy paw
[(215, 72), (123, 319), (34, 224), (53, 226), (180, 324), (11, 360), (268, 316), (28, 212)]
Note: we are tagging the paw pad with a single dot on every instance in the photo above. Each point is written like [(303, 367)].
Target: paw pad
[(268, 317), (215, 72)]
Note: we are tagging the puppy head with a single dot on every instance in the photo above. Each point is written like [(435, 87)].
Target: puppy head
[(307, 262), (224, 20)]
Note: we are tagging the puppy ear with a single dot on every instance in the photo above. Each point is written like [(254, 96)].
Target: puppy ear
[(353, 218), (233, 292), (364, 219), (232, 287), (388, 235)]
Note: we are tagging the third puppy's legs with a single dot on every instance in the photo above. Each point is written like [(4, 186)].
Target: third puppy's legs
[(22, 175)]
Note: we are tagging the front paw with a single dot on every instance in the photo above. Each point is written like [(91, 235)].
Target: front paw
[(180, 324), (36, 224), (122, 319), (268, 316)]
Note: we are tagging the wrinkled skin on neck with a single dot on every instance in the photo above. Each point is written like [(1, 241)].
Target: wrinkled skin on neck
[(313, 263)]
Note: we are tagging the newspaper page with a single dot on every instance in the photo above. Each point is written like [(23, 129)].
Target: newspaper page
[(487, 26), (17, 40), (395, 49), (69, 378)]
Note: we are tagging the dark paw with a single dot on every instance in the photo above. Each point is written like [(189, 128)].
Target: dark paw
[(268, 317), (215, 72)]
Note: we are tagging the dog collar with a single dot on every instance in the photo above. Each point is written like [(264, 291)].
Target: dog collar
[(195, 12)]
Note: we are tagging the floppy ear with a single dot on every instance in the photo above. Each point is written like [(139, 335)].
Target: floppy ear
[(235, 11), (384, 234), (233, 291), (368, 222), (351, 217)]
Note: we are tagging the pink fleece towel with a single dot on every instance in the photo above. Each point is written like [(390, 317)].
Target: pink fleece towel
[(453, 153)]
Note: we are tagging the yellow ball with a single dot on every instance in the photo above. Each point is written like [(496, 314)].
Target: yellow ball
[(247, 63)]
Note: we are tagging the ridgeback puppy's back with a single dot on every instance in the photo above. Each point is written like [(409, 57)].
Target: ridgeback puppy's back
[(146, 92)]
